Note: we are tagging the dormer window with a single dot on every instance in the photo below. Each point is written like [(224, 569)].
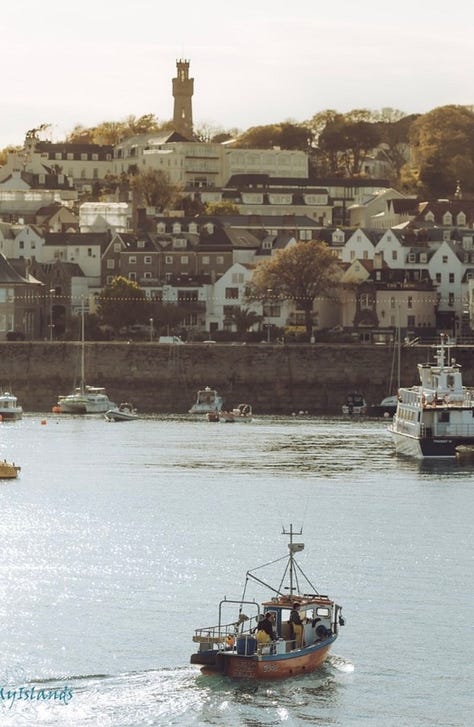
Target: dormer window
[(447, 218)]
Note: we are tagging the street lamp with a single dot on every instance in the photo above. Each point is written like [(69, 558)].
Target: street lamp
[(52, 291), (151, 330)]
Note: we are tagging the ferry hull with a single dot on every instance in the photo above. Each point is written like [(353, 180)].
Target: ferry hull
[(268, 667), (424, 448)]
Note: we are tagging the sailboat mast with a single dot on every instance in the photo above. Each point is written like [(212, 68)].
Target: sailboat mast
[(82, 347)]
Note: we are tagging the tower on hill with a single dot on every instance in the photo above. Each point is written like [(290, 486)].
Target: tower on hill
[(183, 88)]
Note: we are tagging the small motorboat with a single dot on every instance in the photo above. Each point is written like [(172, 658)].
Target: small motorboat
[(124, 413), (241, 413), (386, 408), (304, 625), (355, 405), (207, 401), (8, 470), (9, 407)]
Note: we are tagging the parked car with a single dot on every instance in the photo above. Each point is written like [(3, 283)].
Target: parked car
[(170, 339)]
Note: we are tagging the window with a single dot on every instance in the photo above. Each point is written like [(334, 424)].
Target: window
[(132, 276), (220, 260), (237, 277), (205, 259), (364, 301), (147, 259), (352, 255), (147, 276), (451, 277), (412, 257), (69, 155), (89, 252), (451, 299), (423, 257), (410, 302), (168, 259), (84, 157), (184, 259), (231, 292), (109, 279), (110, 264), (445, 259), (365, 255), (132, 260), (411, 321), (22, 244), (438, 277), (117, 246), (394, 254), (58, 155)]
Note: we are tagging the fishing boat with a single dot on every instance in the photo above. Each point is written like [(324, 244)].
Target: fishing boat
[(84, 399), (236, 648), (9, 407), (355, 405), (8, 470), (124, 413), (436, 417), (207, 401)]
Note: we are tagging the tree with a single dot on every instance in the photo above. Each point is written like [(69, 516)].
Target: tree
[(154, 188), (300, 272), (443, 149), (286, 135), (244, 319), (221, 209), (121, 304)]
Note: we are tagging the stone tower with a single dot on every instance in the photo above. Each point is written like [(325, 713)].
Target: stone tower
[(183, 88)]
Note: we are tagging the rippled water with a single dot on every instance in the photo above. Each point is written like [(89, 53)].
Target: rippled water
[(119, 539)]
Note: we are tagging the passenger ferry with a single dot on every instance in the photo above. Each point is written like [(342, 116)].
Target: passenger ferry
[(435, 417)]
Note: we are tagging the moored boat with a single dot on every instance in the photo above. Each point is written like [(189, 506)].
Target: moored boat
[(436, 417), (287, 635), (207, 401), (84, 399), (240, 413), (124, 413), (8, 470), (9, 407), (386, 408), (354, 405)]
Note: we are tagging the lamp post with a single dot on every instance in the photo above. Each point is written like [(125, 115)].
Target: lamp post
[(151, 330), (51, 293)]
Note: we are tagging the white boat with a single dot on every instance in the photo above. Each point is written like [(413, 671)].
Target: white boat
[(354, 405), (386, 408), (84, 399), (123, 413), (241, 413), (9, 407), (435, 417), (207, 401)]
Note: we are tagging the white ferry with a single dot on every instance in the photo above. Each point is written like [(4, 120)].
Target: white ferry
[(435, 417)]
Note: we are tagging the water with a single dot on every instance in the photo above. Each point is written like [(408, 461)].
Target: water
[(119, 539)]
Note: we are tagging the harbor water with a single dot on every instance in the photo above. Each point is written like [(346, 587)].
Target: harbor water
[(119, 539)]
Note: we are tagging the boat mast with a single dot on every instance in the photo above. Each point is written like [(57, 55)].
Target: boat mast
[(82, 347), (293, 548)]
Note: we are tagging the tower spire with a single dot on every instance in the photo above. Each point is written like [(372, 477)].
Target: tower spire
[(183, 88)]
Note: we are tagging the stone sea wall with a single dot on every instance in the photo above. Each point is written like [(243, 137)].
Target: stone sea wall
[(160, 378)]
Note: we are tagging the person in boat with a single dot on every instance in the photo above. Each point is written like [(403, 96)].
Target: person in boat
[(265, 631), (296, 625)]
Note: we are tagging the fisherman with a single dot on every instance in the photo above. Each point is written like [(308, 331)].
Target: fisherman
[(297, 625)]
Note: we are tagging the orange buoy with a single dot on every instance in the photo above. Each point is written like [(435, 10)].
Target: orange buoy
[(43, 421), (56, 409)]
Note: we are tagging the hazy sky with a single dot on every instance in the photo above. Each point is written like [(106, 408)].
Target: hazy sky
[(254, 61)]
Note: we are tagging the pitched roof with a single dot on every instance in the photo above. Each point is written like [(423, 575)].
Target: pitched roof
[(8, 274)]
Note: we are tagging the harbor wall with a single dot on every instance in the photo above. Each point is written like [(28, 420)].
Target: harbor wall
[(161, 378)]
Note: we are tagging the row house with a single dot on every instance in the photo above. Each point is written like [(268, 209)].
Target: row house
[(23, 312), (200, 165), (262, 195)]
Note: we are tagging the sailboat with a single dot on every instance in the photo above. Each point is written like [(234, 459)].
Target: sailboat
[(84, 399), (388, 405)]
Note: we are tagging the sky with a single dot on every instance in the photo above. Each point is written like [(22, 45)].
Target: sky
[(253, 62)]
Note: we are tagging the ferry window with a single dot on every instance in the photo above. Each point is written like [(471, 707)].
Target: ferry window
[(444, 416)]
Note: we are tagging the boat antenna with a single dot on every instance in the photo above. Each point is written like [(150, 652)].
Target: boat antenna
[(82, 346)]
